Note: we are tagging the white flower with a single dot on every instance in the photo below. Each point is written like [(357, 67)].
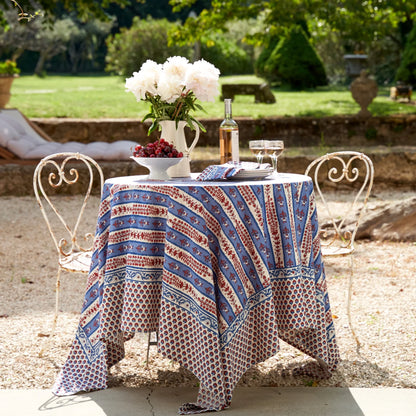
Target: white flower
[(173, 88), (172, 79), (202, 78), (169, 89), (144, 81), (176, 67)]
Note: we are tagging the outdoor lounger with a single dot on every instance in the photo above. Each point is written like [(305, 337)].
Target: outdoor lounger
[(21, 140)]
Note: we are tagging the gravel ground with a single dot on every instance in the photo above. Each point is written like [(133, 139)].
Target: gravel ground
[(383, 313)]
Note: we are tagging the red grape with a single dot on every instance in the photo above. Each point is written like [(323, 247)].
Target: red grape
[(159, 148)]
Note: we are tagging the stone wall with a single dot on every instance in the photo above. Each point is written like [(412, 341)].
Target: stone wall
[(394, 168), (296, 131), (390, 142)]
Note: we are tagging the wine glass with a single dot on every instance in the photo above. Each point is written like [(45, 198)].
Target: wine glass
[(257, 148), (274, 148)]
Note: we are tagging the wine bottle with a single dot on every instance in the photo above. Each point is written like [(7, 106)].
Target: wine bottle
[(228, 132)]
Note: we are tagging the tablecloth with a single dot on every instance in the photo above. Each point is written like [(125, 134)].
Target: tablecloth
[(220, 270)]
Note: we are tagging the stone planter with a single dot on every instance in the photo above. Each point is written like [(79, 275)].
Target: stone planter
[(364, 90), (355, 64), (5, 86)]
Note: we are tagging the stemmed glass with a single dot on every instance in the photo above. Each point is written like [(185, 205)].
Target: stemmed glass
[(274, 148), (257, 147)]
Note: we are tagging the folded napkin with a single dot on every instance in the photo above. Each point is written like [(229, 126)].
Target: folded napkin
[(227, 170)]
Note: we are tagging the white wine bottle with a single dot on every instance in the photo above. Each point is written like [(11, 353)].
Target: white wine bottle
[(228, 132)]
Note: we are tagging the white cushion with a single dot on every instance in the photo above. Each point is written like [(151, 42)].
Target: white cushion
[(20, 146), (46, 149), (7, 134), (17, 136), (18, 126)]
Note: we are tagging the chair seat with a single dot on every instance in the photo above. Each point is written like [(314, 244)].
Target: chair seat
[(77, 262), (336, 251)]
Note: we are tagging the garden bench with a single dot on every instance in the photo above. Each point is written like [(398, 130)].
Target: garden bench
[(262, 92)]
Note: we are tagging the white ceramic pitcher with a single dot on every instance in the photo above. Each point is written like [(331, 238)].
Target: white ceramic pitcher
[(176, 136)]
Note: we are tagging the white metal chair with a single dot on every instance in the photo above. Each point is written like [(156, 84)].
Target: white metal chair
[(355, 170), (55, 172)]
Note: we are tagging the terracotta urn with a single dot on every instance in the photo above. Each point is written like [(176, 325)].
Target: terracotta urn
[(6, 82)]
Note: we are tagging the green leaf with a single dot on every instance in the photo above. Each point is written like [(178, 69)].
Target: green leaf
[(201, 127), (148, 115), (190, 123), (153, 127)]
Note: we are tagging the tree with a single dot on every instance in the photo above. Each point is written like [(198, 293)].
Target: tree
[(358, 21), (295, 63), (269, 46), (85, 40), (28, 9), (47, 41), (159, 9), (146, 39), (50, 42), (79, 40), (407, 70), (376, 27), (85, 9), (226, 55), (355, 25)]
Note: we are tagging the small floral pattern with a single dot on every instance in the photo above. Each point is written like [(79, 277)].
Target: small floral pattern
[(221, 272)]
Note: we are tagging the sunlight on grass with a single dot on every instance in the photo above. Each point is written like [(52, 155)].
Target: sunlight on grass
[(104, 96)]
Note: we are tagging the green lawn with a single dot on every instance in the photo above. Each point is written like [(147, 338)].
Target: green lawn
[(104, 97)]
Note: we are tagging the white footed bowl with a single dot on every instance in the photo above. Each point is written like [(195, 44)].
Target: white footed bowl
[(158, 166)]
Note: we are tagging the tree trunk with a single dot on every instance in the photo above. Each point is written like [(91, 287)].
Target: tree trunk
[(40, 64), (17, 54)]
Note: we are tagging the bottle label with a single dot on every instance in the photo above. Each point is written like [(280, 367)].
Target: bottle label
[(235, 151)]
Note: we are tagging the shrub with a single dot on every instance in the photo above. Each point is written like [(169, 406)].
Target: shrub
[(295, 63), (9, 68), (407, 69), (227, 56), (265, 55), (145, 39), (329, 46)]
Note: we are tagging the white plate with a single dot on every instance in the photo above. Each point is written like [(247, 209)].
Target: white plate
[(253, 174)]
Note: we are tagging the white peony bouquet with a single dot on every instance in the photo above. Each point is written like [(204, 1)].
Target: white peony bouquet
[(173, 88)]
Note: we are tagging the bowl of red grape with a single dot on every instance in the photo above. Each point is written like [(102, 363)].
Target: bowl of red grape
[(158, 157)]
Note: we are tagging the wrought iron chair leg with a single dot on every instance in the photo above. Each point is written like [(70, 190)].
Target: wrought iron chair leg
[(55, 318), (148, 349), (149, 343), (349, 295), (57, 290)]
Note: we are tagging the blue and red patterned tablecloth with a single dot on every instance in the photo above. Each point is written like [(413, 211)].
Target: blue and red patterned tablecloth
[(221, 270)]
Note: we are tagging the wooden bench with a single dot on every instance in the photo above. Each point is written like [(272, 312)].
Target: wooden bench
[(262, 92)]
